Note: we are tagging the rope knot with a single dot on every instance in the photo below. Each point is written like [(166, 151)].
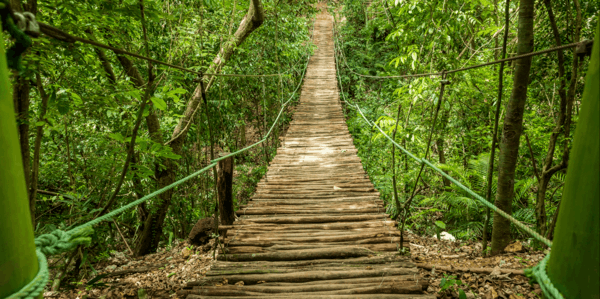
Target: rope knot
[(22, 41), (60, 241)]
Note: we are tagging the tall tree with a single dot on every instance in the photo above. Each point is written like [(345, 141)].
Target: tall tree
[(513, 127)]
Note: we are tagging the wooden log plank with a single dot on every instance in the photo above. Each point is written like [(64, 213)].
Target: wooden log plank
[(305, 276), (295, 255), (314, 219), (368, 260)]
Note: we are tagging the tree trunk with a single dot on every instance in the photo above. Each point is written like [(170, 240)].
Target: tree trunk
[(69, 169), (243, 135), (566, 103), (110, 74), (513, 127), (225, 188), (35, 169), (21, 103), (439, 143)]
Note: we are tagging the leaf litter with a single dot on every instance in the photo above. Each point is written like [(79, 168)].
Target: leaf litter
[(161, 274), (449, 266)]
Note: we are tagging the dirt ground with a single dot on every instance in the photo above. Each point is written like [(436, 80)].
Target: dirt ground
[(453, 255)]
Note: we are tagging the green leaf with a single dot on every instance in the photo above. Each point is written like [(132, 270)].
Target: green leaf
[(117, 137), (178, 91), (159, 103), (97, 278), (40, 123), (63, 104), (461, 294), (441, 224)]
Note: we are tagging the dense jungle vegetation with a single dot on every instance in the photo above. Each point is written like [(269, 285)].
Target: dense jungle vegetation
[(386, 38), (79, 108), (99, 129)]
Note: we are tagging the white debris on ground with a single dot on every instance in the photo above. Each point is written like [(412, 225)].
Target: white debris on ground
[(446, 236)]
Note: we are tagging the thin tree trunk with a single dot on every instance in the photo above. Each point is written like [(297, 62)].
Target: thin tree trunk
[(439, 142), (513, 127), (490, 171), (131, 147), (110, 74), (69, 167), (145, 99), (404, 136), (21, 103), (563, 123), (251, 21), (35, 169), (396, 199)]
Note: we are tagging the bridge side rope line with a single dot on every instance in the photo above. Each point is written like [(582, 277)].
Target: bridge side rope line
[(60, 241), (538, 272)]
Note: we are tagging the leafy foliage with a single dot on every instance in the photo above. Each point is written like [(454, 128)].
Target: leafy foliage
[(383, 38), (90, 116)]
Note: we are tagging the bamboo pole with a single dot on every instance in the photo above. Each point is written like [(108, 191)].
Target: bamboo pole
[(18, 261), (574, 263)]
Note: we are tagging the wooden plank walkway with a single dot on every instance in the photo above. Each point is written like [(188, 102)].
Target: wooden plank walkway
[(316, 227)]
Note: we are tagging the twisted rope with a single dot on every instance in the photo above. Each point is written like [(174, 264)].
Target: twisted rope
[(538, 273)]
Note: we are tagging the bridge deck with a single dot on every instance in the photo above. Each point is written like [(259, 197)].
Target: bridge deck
[(316, 227)]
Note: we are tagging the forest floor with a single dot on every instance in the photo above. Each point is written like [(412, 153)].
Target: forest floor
[(162, 274)]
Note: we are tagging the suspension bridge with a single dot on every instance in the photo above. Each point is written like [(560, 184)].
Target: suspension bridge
[(316, 227)]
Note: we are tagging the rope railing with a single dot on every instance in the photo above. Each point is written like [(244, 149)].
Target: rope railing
[(538, 272), (60, 241)]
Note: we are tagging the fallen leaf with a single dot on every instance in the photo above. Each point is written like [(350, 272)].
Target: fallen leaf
[(185, 253), (514, 247)]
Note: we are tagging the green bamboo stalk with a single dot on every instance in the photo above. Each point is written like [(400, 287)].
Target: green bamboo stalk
[(18, 261), (574, 264)]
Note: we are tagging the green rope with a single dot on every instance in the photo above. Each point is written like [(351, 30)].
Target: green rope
[(36, 286), (538, 272)]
